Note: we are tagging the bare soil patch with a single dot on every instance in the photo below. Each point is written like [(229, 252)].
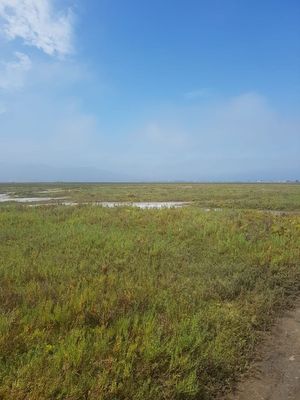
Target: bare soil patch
[(276, 375)]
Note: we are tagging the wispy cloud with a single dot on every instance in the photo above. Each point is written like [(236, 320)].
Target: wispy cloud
[(38, 24), (12, 73), (35, 23), (2, 109), (162, 134), (240, 137), (198, 93)]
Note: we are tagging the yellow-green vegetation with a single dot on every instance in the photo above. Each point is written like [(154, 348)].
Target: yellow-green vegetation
[(130, 304), (247, 196)]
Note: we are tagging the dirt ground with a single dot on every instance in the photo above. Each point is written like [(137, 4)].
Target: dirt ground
[(276, 376)]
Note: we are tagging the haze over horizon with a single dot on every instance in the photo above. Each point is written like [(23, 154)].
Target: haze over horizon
[(149, 91)]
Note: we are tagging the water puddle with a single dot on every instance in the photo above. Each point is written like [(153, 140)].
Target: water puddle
[(212, 209), (54, 190), (4, 197), (138, 204), (142, 204)]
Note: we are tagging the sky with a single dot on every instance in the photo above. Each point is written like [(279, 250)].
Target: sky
[(138, 90)]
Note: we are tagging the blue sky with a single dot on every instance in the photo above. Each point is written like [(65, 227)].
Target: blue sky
[(149, 90)]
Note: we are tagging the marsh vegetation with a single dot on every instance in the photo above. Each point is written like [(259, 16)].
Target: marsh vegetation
[(271, 196), (123, 303)]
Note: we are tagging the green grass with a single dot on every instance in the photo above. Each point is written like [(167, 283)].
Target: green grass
[(113, 304)]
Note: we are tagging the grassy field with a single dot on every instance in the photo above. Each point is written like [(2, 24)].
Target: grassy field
[(130, 304), (246, 196)]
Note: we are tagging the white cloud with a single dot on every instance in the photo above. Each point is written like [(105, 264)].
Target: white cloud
[(239, 137), (12, 73), (36, 129), (36, 22), (162, 134)]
